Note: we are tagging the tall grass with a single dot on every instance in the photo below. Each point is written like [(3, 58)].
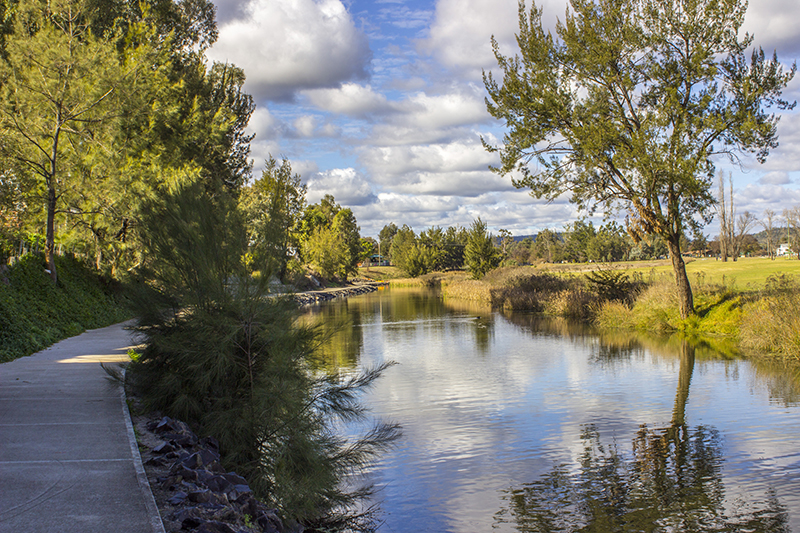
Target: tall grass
[(772, 323), (525, 289)]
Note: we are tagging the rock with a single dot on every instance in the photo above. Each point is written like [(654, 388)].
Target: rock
[(164, 447), (215, 527), (200, 458), (269, 522), (178, 498)]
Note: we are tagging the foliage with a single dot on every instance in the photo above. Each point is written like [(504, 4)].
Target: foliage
[(273, 205), (628, 106), (35, 313), (386, 236), (147, 111), (330, 238), (224, 356), (772, 324), (480, 253), (60, 92), (326, 251)]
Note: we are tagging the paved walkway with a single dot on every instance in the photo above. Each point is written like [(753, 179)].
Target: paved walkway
[(68, 456)]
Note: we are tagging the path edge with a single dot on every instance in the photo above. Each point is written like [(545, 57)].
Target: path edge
[(156, 524)]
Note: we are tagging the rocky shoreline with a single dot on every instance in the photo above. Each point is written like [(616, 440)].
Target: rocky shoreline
[(324, 295), (192, 490)]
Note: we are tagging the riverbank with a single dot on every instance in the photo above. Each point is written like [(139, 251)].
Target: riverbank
[(324, 295), (753, 304)]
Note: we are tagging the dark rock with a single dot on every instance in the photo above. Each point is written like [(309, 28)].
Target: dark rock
[(200, 458), (184, 440), (210, 443), (235, 478), (218, 483), (207, 496), (186, 473), (178, 498), (189, 518), (215, 527), (164, 447), (269, 522), (155, 461)]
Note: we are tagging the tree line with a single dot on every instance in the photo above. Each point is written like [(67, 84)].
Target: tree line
[(122, 144)]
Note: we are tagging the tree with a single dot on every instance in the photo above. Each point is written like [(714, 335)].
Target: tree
[(628, 105), (344, 223), (480, 255), (273, 205), (768, 223), (744, 223), (222, 355), (61, 88), (548, 246), (386, 235), (727, 214)]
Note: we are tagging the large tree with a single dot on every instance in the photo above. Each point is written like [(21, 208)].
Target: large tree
[(273, 205), (629, 106), (60, 93)]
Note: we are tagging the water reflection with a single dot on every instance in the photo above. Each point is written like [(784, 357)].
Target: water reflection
[(672, 482), (638, 425)]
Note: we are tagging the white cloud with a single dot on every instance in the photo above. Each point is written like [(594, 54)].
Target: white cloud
[(460, 37), (305, 125), (773, 23), (459, 108), (346, 185), (389, 163), (756, 198), (775, 178), (288, 45), (350, 99)]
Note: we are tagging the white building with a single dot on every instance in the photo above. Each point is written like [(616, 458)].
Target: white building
[(783, 249)]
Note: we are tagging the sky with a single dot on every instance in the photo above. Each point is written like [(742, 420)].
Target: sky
[(380, 103)]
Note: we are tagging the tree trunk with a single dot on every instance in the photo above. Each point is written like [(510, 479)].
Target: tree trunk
[(684, 380), (50, 240), (685, 298)]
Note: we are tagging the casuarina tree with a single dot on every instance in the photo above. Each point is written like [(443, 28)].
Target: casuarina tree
[(629, 106)]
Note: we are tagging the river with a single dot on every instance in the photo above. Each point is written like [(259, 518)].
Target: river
[(515, 423)]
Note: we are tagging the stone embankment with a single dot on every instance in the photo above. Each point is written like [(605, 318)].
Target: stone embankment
[(324, 295), (192, 490)]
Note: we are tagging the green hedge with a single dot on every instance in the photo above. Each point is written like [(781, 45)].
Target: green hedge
[(35, 312)]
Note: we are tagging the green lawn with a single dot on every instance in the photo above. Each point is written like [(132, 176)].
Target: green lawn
[(744, 273)]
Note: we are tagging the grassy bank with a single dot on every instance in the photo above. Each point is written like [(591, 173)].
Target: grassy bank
[(35, 313), (753, 303)]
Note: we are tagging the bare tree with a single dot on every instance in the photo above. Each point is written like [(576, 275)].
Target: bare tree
[(792, 216), (744, 224), (727, 215), (768, 223)]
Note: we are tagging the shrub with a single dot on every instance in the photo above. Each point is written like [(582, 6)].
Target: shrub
[(223, 355)]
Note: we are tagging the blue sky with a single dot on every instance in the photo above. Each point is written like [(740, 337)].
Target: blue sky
[(381, 104)]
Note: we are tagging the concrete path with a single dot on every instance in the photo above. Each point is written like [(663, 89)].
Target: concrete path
[(68, 456)]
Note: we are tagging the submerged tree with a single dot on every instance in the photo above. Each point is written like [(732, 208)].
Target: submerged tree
[(627, 107)]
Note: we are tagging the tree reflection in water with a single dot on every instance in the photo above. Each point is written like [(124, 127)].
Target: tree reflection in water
[(671, 483)]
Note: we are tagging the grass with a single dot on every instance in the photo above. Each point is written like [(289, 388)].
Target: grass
[(753, 303)]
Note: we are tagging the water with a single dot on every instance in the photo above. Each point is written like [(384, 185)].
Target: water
[(512, 423)]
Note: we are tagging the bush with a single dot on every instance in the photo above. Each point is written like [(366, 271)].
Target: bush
[(229, 359), (35, 312)]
